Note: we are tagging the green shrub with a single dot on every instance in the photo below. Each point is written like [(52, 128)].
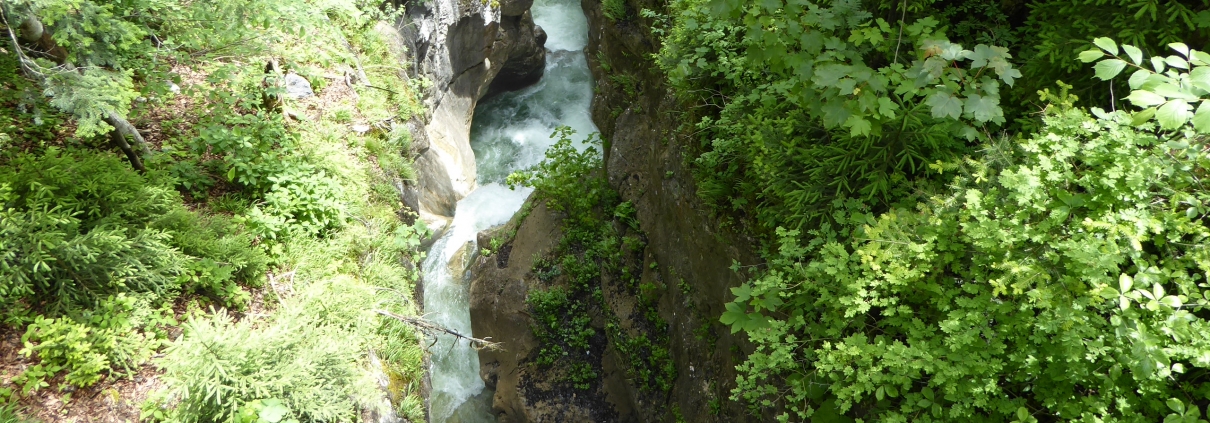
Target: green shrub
[(121, 332), (220, 366), (615, 10), (1062, 277), (88, 219)]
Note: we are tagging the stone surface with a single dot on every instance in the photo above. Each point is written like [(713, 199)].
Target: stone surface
[(297, 87), (526, 56), (525, 392), (461, 47), (645, 164)]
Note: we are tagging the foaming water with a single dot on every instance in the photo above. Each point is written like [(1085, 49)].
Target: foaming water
[(510, 132)]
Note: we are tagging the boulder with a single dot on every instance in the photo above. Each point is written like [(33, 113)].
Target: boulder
[(297, 87)]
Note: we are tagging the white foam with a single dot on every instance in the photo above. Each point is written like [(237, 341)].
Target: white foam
[(511, 132)]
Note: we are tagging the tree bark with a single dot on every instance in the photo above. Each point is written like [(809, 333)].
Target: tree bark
[(122, 129)]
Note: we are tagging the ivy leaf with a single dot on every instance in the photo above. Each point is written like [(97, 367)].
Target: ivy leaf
[(1201, 119), (1089, 56), (1109, 68), (1135, 54), (1173, 114), (1144, 98), (1106, 44), (945, 104)]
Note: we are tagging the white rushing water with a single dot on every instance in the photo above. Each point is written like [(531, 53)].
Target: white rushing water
[(510, 131)]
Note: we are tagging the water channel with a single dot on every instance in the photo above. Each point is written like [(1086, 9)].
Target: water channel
[(510, 131)]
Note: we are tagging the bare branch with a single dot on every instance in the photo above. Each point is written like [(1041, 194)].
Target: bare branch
[(430, 327)]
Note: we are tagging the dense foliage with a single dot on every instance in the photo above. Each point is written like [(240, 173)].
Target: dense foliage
[(935, 251), (601, 249), (248, 240)]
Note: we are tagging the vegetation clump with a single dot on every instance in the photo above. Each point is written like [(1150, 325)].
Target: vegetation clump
[(195, 219)]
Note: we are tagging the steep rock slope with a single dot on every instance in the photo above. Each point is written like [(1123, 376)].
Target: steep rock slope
[(466, 50), (687, 260)]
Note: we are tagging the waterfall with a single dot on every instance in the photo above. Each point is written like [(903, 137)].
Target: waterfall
[(510, 131)]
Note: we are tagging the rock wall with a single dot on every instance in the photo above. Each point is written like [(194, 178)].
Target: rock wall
[(466, 49), (645, 163)]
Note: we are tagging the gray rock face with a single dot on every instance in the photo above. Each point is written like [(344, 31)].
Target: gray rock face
[(526, 57), (462, 47), (297, 87)]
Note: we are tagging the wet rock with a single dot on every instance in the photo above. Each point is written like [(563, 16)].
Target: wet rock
[(526, 57), (462, 47)]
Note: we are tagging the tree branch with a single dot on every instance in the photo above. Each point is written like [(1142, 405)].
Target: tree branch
[(430, 327)]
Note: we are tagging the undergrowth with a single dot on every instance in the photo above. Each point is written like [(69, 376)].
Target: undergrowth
[(601, 248)]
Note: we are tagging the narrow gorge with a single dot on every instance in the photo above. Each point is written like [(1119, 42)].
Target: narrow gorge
[(595, 74)]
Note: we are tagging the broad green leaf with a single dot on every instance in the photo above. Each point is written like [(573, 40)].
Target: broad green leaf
[(1201, 118), (1106, 44), (945, 105), (1109, 68), (1089, 56), (1180, 48), (1200, 78), (1125, 282), (886, 107), (1172, 301), (273, 413), (1158, 64), (1176, 405), (858, 126), (983, 108), (1135, 54), (1009, 75), (1144, 98), (1200, 58), (1174, 92), (1176, 62), (742, 293), (1138, 78), (1142, 116), (1173, 114)]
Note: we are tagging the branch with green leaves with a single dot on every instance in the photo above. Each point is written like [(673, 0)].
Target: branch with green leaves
[(1174, 90)]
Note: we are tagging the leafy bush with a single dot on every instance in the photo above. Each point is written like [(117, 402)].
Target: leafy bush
[(1062, 277), (121, 332), (824, 101)]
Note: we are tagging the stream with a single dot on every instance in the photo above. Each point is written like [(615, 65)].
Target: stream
[(510, 131)]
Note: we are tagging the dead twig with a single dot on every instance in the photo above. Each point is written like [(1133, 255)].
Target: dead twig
[(430, 327)]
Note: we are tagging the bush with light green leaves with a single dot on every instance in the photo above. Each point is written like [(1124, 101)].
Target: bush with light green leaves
[(1060, 277)]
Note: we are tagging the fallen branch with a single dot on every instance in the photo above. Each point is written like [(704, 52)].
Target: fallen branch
[(430, 327)]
